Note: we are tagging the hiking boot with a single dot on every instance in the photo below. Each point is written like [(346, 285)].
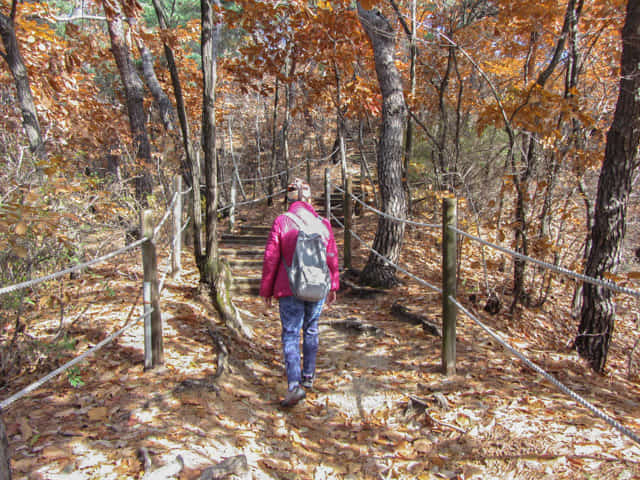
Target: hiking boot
[(307, 381), (293, 397)]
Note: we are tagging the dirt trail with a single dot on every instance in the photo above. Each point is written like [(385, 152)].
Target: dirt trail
[(380, 407)]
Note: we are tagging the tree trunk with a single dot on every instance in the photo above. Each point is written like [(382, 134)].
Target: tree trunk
[(191, 167), (217, 273), (134, 93), (211, 25), (162, 100), (614, 187), (289, 89), (274, 141), (390, 233), (408, 146), (16, 64)]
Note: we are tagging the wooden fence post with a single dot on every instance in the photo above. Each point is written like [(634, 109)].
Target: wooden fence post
[(449, 270), (232, 212), (327, 194), (154, 351), (348, 221), (176, 251), (5, 466)]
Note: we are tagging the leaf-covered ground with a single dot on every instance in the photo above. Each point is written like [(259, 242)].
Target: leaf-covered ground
[(380, 407)]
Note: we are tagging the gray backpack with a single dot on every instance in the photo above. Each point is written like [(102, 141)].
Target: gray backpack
[(309, 276)]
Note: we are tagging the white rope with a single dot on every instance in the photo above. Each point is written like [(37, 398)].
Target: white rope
[(76, 268), (555, 268), (30, 388), (82, 266), (390, 217), (540, 263), (8, 401), (226, 207), (281, 173), (397, 267), (599, 413), (166, 215)]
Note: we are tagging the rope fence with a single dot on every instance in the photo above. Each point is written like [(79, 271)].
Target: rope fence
[(282, 172), (596, 411), (549, 266), (451, 298), (389, 262), (152, 307), (144, 242), (34, 386)]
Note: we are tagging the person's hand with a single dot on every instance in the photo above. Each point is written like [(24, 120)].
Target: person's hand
[(331, 297), (268, 301)]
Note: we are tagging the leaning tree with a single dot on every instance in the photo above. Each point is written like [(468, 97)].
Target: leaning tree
[(18, 69)]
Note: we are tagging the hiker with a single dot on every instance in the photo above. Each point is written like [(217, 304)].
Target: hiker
[(297, 315)]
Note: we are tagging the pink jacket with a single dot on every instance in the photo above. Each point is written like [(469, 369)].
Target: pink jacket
[(282, 242)]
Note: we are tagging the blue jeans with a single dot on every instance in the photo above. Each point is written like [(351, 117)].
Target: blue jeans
[(296, 315)]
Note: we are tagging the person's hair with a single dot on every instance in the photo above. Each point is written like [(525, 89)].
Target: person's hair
[(299, 190)]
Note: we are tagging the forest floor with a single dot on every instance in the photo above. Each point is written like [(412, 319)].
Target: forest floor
[(380, 407)]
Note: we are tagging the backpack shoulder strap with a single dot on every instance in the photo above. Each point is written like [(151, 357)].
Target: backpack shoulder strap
[(316, 226), (296, 219)]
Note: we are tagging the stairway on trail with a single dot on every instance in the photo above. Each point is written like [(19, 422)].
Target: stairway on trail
[(244, 250)]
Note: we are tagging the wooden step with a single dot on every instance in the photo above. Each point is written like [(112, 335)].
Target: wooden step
[(248, 262), (255, 230), (231, 239), (246, 285), (338, 196), (243, 252)]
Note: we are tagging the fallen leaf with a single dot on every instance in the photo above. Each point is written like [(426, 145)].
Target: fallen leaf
[(24, 464), (422, 445), (52, 452), (25, 429), (275, 464), (97, 414)]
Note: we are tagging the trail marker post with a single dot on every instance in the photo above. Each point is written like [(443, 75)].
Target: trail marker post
[(449, 280), (5, 464), (154, 350), (327, 194), (347, 223)]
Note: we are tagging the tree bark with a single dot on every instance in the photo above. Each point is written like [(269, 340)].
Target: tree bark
[(390, 233), (274, 142), (134, 93), (614, 187), (211, 25), (162, 100), (15, 62), (217, 273)]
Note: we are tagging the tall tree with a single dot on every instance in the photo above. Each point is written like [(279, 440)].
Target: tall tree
[(191, 166), (390, 233), (16, 64), (214, 271), (211, 25), (134, 93), (614, 186)]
